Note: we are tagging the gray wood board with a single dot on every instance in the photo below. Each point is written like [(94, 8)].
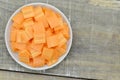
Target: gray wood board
[(6, 75), (95, 51)]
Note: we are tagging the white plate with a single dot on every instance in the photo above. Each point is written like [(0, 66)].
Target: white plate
[(15, 56)]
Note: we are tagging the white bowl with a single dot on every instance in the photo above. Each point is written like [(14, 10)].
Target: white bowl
[(15, 56)]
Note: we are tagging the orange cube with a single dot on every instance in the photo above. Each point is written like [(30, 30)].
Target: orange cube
[(65, 31), (29, 32), (47, 53), (61, 39), (13, 46), (38, 12), (20, 46), (38, 61), (52, 41), (25, 37), (38, 28), (52, 18), (17, 26), (19, 36), (18, 18), (49, 32), (13, 34), (52, 62), (28, 11), (28, 22), (24, 56), (34, 52), (38, 39)]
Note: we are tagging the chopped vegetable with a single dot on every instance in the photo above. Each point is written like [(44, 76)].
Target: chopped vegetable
[(39, 35)]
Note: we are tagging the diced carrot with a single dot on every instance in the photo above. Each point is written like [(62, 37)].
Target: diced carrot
[(17, 26), (60, 27), (52, 62), (13, 34), (52, 41), (37, 47), (60, 51), (29, 31), (38, 39), (64, 46), (43, 20), (24, 56), (38, 61), (20, 46), (28, 22), (39, 33), (52, 18), (34, 52), (65, 31), (18, 18), (13, 46), (47, 53), (56, 54), (60, 18), (38, 12), (49, 32), (38, 28), (25, 37), (19, 36), (61, 39), (28, 11)]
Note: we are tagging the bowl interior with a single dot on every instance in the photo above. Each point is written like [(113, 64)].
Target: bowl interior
[(15, 56)]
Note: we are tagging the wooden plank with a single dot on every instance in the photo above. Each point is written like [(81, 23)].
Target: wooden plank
[(6, 75), (95, 51)]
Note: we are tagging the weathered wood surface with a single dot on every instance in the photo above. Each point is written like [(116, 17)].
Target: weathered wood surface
[(5, 75), (95, 51)]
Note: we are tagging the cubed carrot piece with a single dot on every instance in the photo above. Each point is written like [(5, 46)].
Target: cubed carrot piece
[(52, 62), (60, 51), (52, 41), (56, 54), (19, 36), (24, 56), (52, 18), (13, 34), (38, 39), (38, 61), (25, 37), (20, 46), (60, 18), (29, 31), (34, 52), (17, 26), (38, 12), (37, 47), (18, 18), (28, 11), (49, 32), (43, 20), (64, 46), (65, 31), (28, 22), (60, 27), (61, 39), (39, 33), (40, 17), (38, 28), (47, 53), (13, 46)]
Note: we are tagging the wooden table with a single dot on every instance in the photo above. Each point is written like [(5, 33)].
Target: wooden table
[(95, 52)]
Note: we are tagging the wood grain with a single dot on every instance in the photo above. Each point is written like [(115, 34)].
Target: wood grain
[(5, 75), (95, 51)]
